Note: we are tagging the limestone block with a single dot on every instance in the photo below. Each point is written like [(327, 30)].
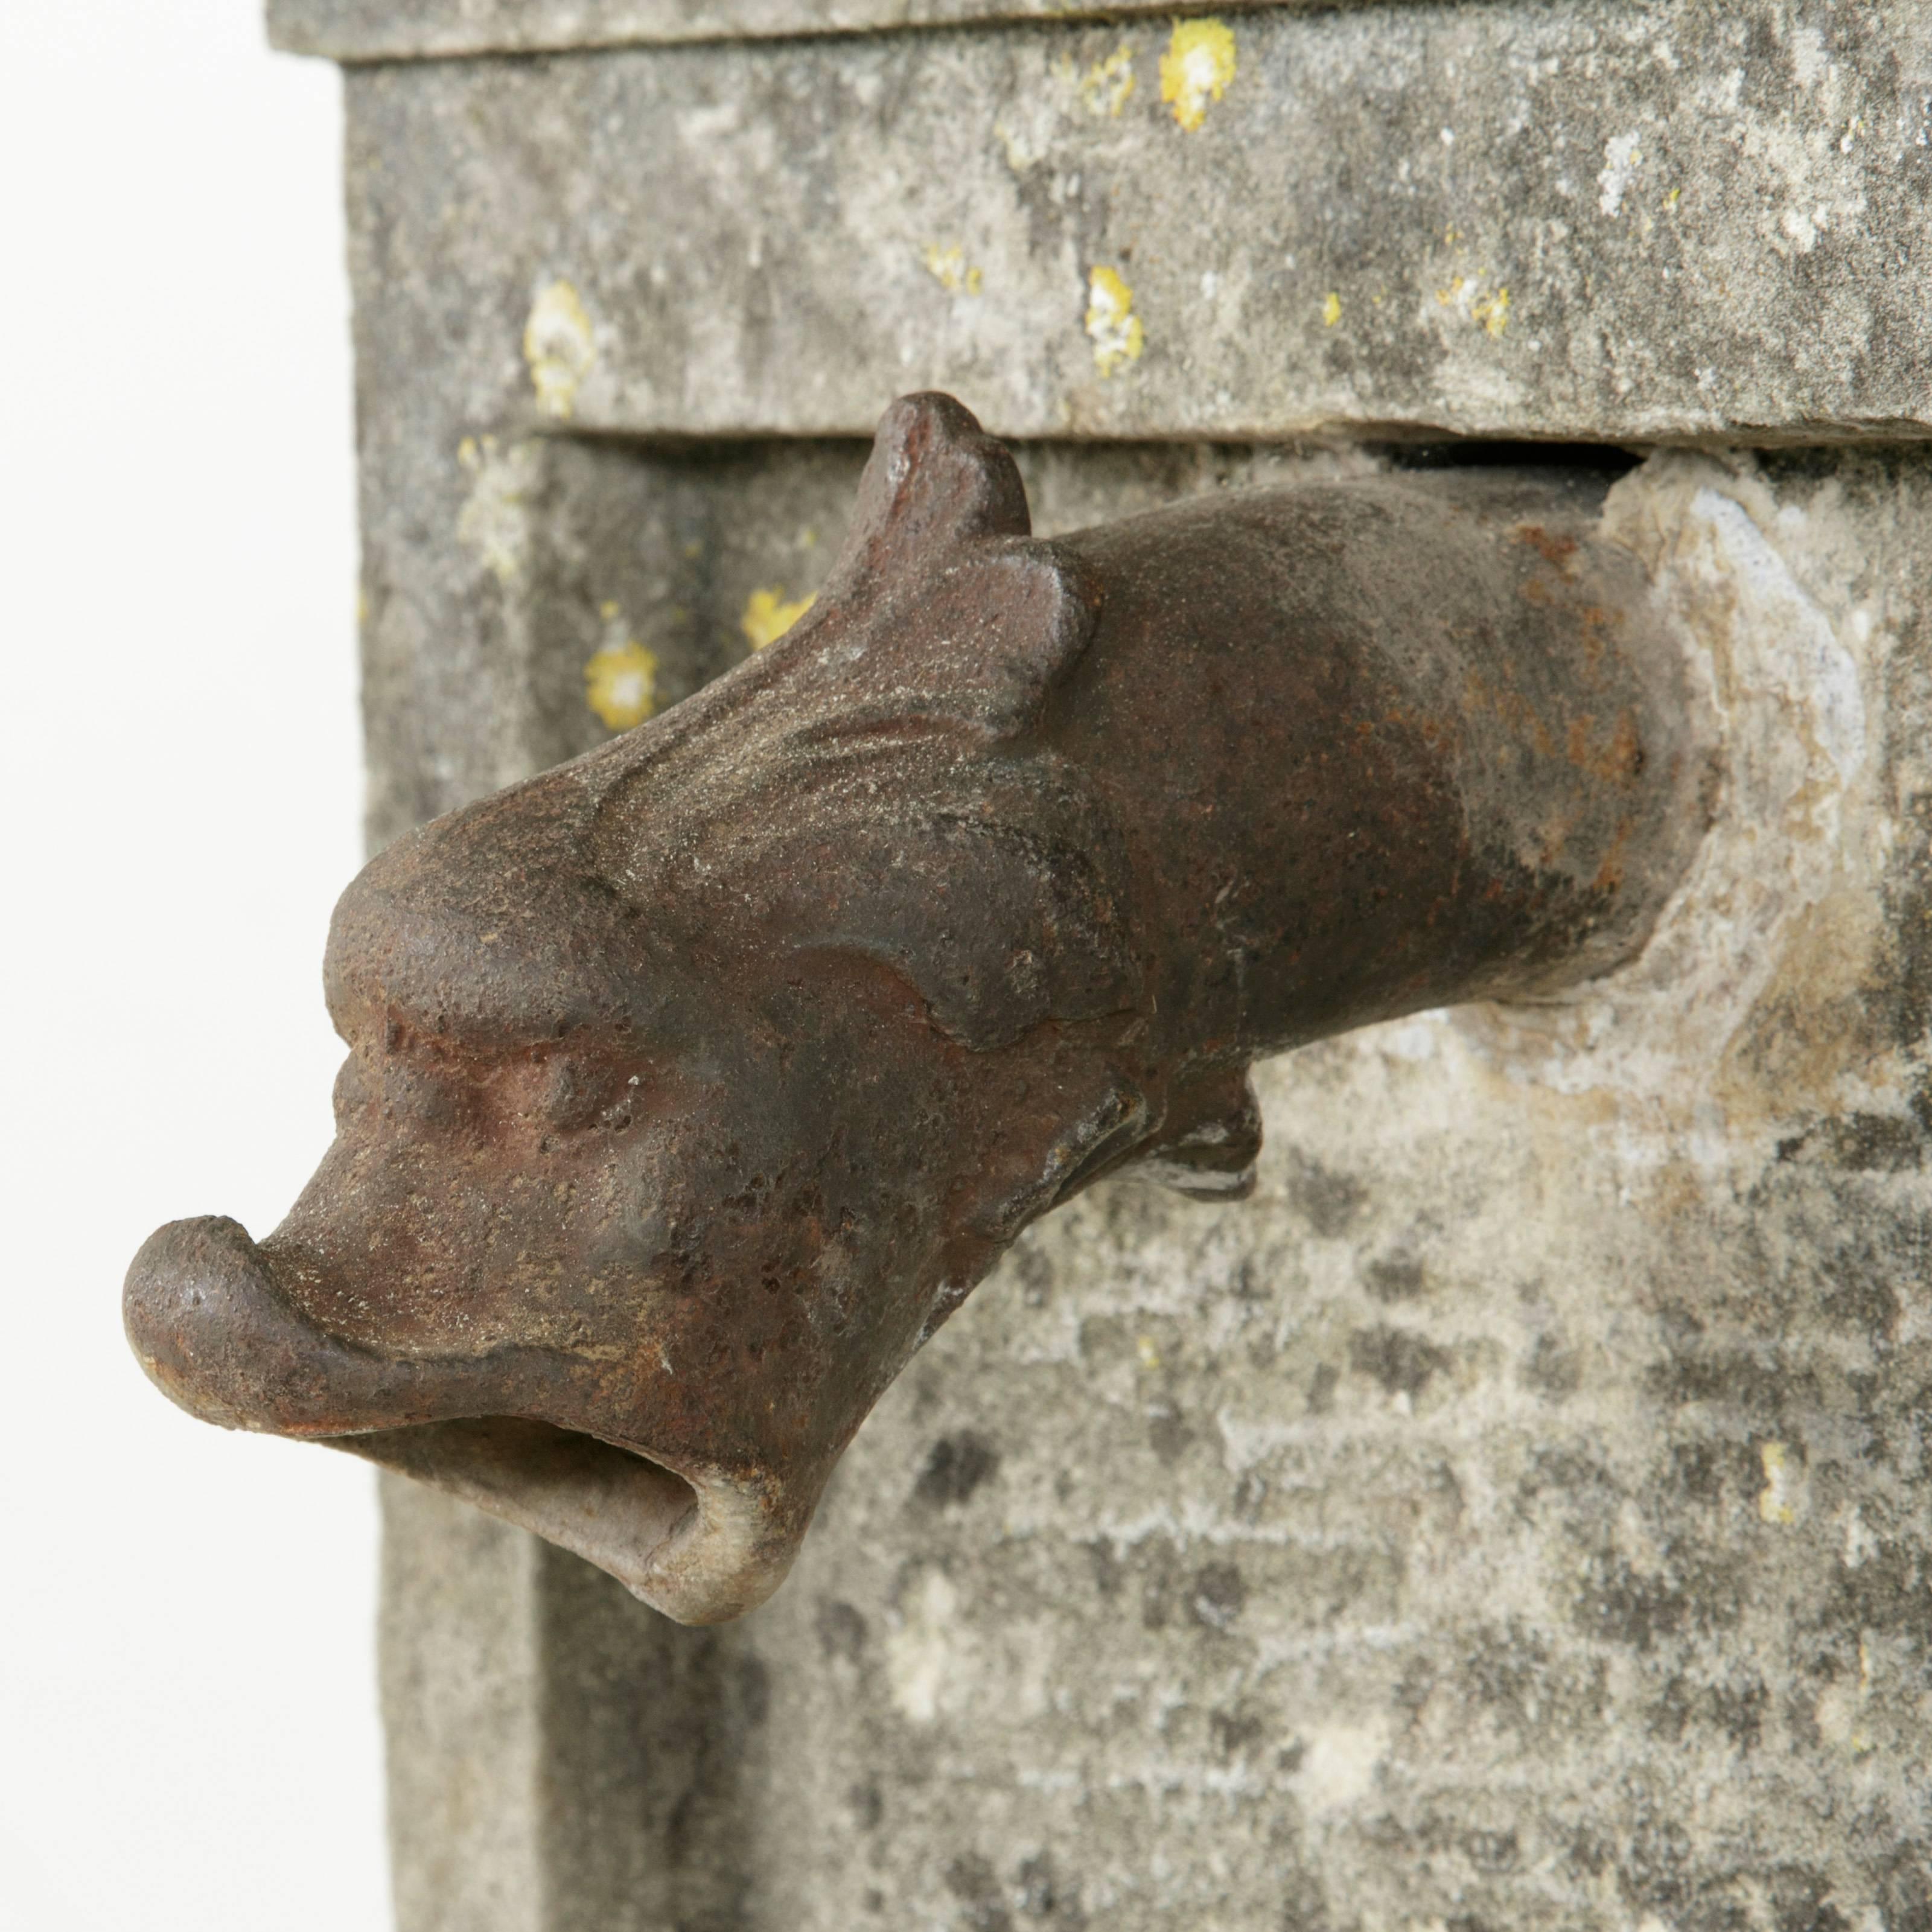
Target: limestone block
[(1699, 220), (1513, 1517)]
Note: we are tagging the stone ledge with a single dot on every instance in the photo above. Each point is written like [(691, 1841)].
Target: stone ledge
[(392, 30), (1705, 222)]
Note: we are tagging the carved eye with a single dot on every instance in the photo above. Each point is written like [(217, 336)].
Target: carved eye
[(577, 1092), (412, 1091)]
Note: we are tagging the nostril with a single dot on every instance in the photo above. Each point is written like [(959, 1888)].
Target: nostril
[(573, 1093)]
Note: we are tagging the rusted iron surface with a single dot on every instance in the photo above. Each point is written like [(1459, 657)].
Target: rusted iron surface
[(693, 1083)]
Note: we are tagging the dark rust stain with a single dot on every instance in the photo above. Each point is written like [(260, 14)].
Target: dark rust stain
[(1557, 549)]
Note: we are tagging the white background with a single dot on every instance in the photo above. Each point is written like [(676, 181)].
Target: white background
[(187, 1723)]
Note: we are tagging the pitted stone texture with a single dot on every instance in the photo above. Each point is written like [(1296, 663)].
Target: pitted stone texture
[(1514, 1517), (371, 30), (1696, 219)]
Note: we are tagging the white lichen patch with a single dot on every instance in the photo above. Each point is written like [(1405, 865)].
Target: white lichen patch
[(1809, 60), (558, 347), (494, 523), (1623, 155), (1199, 66), (1804, 225), (1338, 1765), (923, 1667), (1470, 296), (1024, 145), (1842, 1713), (1111, 324)]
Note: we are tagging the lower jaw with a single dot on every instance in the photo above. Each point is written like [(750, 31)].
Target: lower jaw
[(612, 1508), (699, 1552)]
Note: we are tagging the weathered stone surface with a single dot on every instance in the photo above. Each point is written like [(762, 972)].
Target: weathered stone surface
[(1689, 221), (462, 1667), (1513, 1517), (371, 30)]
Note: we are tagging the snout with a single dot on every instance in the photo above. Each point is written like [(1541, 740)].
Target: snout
[(214, 1333), (213, 1329)]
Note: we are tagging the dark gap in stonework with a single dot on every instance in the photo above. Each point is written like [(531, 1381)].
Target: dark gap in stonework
[(705, 452), (1602, 459)]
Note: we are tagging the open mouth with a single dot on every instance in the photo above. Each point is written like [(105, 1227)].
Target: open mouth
[(214, 1331), (610, 1506)]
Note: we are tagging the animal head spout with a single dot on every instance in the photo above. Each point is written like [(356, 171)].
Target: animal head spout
[(691, 1084)]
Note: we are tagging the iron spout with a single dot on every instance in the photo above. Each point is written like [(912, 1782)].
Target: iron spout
[(692, 1084)]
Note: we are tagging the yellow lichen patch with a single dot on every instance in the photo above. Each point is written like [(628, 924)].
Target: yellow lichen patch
[(1331, 309), (1149, 1353), (948, 268), (620, 681), (1196, 68), (558, 347), (1493, 311), (1111, 322), (1108, 84), (1776, 1502), (1489, 312), (769, 615)]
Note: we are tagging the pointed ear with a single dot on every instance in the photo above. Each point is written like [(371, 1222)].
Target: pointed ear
[(936, 481), (996, 632), (957, 615)]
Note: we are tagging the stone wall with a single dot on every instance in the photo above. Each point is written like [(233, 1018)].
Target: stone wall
[(1514, 1516)]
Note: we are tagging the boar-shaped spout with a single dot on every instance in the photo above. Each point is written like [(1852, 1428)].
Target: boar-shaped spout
[(692, 1084)]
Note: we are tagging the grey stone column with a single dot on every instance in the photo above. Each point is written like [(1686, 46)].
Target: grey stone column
[(1515, 1516)]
